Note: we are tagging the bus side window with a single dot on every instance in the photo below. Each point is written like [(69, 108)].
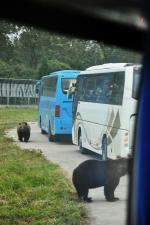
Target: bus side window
[(136, 83), (52, 90), (49, 86), (98, 90), (106, 92), (90, 90), (118, 88), (82, 88), (45, 87)]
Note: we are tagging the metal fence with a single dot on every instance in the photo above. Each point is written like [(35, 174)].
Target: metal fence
[(18, 92)]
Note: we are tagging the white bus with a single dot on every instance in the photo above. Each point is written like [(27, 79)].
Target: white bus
[(104, 109)]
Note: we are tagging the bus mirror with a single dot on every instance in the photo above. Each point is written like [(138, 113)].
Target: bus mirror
[(37, 87), (36, 90)]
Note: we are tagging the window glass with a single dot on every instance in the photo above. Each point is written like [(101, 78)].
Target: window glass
[(103, 88), (67, 83), (81, 88), (49, 86), (93, 115), (90, 90), (136, 83)]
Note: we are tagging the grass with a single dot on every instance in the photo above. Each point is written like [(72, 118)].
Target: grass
[(32, 189), (10, 117)]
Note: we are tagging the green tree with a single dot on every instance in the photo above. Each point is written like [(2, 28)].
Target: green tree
[(113, 54), (49, 66), (30, 53), (22, 72), (5, 70), (27, 48), (7, 31)]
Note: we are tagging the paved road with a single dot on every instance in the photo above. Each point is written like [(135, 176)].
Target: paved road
[(67, 156)]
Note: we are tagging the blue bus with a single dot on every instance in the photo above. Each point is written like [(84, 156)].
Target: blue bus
[(55, 103)]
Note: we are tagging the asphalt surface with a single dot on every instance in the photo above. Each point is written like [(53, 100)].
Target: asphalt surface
[(100, 212)]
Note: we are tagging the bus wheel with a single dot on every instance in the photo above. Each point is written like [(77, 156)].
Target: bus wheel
[(50, 136), (81, 149), (43, 131)]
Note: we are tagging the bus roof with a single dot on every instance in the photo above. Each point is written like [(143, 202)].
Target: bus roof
[(111, 66), (64, 73)]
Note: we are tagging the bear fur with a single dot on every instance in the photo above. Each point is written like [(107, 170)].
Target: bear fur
[(96, 173), (23, 131)]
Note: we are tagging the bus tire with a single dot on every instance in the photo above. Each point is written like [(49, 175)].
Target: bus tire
[(43, 131), (81, 149), (50, 136)]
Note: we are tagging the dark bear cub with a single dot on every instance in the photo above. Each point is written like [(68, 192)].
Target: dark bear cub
[(95, 173), (23, 131)]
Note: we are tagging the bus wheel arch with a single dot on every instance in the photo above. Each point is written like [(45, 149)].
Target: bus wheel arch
[(42, 131), (81, 148), (40, 121)]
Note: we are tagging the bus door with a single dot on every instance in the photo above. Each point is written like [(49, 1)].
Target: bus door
[(66, 109)]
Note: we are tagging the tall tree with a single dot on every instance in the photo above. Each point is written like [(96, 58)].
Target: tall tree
[(28, 52), (113, 54), (28, 48), (7, 30)]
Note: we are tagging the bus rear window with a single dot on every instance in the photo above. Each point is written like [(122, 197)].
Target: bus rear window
[(49, 86), (67, 83), (136, 83)]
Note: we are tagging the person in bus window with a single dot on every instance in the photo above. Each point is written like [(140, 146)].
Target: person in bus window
[(98, 91)]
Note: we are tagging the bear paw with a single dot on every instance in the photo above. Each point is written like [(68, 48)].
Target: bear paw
[(88, 199), (112, 200)]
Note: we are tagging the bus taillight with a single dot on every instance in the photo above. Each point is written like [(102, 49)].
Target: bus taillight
[(57, 110)]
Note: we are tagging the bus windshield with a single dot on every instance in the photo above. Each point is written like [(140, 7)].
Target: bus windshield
[(67, 83)]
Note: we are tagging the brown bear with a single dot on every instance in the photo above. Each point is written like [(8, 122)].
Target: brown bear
[(23, 131), (98, 173), (20, 132)]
